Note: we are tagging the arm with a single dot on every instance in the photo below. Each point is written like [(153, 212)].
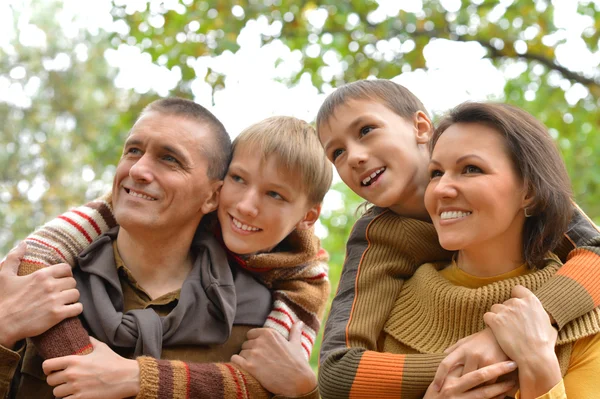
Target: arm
[(350, 362), (60, 241), (103, 374), (575, 290), (297, 277)]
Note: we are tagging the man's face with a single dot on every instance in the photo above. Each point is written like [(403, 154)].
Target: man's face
[(161, 180)]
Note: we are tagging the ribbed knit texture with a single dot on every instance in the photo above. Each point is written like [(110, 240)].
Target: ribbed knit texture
[(383, 249), (296, 275)]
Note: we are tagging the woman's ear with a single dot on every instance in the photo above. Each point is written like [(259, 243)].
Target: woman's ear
[(423, 127)]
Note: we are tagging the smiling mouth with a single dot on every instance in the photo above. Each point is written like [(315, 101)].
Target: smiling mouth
[(372, 178), (243, 226), (138, 194), (454, 215)]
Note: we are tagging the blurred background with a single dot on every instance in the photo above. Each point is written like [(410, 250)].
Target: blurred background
[(75, 74)]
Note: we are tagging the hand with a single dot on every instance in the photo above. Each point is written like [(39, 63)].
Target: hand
[(473, 352), (523, 330), (102, 374), (476, 384), (32, 304), (278, 365)]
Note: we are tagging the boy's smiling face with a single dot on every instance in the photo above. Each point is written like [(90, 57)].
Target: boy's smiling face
[(381, 156), (260, 204)]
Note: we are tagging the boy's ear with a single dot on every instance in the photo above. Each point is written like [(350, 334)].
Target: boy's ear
[(310, 218), (212, 201), (423, 127)]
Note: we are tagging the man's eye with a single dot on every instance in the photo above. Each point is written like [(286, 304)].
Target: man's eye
[(472, 169), (336, 153), (170, 158), (435, 173), (133, 151), (365, 129)]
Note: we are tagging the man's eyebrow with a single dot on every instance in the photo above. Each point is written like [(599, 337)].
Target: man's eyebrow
[(178, 154), (132, 141)]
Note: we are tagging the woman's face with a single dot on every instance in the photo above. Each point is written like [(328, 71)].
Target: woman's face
[(475, 197)]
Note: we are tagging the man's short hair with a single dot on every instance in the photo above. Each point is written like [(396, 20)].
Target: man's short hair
[(297, 149), (219, 152)]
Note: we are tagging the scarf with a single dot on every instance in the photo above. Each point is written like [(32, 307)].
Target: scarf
[(212, 299)]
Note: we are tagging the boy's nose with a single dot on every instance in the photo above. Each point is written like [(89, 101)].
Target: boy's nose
[(248, 204), (357, 156)]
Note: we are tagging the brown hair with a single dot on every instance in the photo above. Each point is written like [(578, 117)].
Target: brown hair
[(218, 153), (297, 149), (394, 96), (537, 161)]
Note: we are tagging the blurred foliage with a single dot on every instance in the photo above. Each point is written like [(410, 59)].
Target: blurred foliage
[(64, 121)]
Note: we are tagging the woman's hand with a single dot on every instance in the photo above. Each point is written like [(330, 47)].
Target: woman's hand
[(102, 374), (523, 330), (279, 365), (471, 385)]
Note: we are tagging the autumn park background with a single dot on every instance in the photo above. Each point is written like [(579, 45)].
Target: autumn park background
[(70, 87)]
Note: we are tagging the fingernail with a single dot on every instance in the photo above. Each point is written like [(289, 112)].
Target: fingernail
[(512, 365), (436, 387)]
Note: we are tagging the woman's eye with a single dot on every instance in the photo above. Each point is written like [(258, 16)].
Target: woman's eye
[(366, 129), (472, 169), (435, 173), (336, 153)]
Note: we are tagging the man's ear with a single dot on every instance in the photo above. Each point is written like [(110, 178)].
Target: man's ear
[(423, 127), (212, 201), (310, 218)]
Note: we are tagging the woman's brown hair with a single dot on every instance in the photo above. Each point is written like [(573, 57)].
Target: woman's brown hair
[(536, 160)]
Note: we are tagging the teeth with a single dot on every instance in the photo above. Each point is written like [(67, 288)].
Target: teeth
[(140, 195), (454, 215), (367, 179), (243, 226)]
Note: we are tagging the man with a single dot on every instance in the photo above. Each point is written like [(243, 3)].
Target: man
[(167, 180)]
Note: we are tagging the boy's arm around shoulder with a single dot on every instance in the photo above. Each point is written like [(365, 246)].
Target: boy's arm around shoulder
[(575, 289), (171, 379), (60, 241)]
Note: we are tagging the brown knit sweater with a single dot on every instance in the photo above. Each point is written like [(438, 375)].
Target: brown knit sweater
[(296, 272)]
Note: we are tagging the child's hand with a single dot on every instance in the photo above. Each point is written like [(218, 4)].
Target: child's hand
[(102, 374), (470, 353), (279, 365)]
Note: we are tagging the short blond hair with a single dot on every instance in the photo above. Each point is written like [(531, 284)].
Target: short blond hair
[(297, 149)]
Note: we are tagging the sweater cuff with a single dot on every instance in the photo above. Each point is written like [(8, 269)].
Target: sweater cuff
[(149, 378), (9, 361), (557, 392)]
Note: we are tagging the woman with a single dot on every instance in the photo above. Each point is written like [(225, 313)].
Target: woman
[(499, 197)]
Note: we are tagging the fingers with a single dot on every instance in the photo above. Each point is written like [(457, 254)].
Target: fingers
[(56, 364), (296, 333), (519, 291), (10, 264), (471, 364), (453, 360), (485, 374), (72, 310), (239, 361), (60, 270), (496, 390), (255, 333)]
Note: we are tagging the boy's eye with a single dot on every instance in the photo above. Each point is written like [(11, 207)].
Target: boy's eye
[(365, 129), (236, 178), (435, 173), (472, 169), (274, 194), (336, 153)]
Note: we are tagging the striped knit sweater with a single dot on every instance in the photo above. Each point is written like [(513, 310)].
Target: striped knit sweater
[(382, 251), (296, 275)]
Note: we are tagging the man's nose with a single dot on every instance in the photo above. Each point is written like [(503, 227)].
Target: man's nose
[(141, 170)]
